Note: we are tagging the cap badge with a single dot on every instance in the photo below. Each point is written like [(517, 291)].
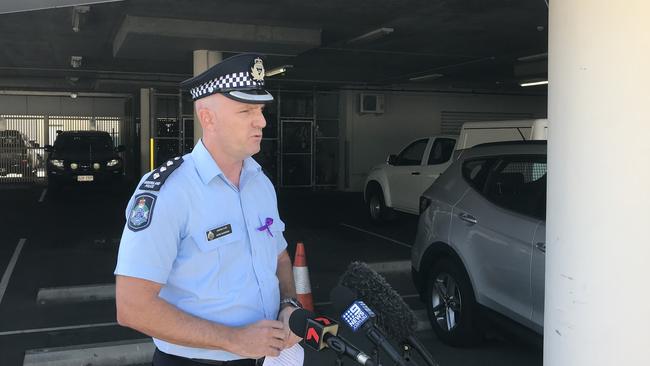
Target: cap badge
[(257, 71)]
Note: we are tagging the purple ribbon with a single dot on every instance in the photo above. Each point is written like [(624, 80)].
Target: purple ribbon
[(266, 226)]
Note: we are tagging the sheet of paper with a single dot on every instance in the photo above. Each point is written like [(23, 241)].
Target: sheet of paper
[(293, 356)]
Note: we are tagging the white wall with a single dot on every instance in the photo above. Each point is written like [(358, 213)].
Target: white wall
[(409, 115)]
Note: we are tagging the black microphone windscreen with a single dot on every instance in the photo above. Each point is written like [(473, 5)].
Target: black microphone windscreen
[(298, 321), (342, 297), (393, 315)]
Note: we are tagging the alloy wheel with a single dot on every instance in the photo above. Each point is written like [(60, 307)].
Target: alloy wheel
[(446, 302)]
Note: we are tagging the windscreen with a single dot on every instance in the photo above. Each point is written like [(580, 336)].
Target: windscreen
[(79, 143)]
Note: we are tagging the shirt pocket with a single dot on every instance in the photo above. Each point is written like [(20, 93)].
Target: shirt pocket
[(209, 239), (224, 261), (269, 240)]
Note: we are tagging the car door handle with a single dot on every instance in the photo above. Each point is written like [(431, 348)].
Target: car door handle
[(415, 173), (541, 247), (468, 218)]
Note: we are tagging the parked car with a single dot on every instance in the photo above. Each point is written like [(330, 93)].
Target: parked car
[(83, 157), (398, 183), (17, 154), (480, 243)]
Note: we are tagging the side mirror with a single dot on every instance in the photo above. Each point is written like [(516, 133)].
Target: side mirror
[(392, 158), (120, 148), (49, 148)]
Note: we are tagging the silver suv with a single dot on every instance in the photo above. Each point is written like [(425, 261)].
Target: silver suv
[(481, 240)]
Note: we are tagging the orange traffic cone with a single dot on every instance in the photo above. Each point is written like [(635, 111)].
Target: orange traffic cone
[(301, 278)]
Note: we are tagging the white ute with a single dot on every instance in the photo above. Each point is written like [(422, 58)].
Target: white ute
[(398, 183)]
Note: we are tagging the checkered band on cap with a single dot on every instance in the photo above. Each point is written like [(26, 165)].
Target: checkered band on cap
[(225, 82)]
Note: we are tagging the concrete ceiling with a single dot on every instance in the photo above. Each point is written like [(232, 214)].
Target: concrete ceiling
[(473, 44)]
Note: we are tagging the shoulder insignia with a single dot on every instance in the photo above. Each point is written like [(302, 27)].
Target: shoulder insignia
[(141, 211), (159, 175)]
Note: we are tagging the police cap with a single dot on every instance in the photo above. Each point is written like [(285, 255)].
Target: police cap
[(239, 77)]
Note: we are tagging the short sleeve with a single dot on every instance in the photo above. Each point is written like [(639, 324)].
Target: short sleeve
[(154, 227)]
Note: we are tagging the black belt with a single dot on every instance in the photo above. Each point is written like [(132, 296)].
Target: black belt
[(161, 358)]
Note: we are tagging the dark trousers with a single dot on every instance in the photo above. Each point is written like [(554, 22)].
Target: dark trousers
[(161, 358)]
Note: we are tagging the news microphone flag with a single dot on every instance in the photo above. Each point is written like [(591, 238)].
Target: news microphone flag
[(316, 330), (357, 315)]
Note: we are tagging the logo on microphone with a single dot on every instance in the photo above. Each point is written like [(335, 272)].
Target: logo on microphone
[(317, 328), (357, 314)]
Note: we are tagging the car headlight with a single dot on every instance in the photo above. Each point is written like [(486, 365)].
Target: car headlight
[(74, 166), (57, 163), (112, 163), (96, 166)]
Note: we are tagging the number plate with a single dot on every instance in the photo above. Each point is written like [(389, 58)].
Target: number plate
[(85, 178)]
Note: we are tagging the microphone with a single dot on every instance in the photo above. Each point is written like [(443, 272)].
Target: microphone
[(393, 315), (321, 332), (358, 315)]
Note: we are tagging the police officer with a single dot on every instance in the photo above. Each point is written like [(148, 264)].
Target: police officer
[(202, 265)]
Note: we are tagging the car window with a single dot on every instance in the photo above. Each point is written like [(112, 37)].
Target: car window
[(476, 172), (412, 154), (441, 151), (8, 139), (80, 143), (519, 184)]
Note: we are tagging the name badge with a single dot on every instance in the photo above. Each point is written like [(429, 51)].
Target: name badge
[(218, 232)]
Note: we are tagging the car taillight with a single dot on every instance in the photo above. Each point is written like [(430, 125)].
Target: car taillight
[(424, 203)]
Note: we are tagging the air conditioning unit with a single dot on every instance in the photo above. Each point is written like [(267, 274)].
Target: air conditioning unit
[(371, 103)]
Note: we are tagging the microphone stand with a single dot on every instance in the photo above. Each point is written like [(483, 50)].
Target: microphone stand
[(421, 350), (375, 354)]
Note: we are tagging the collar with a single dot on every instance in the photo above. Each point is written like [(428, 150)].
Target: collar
[(208, 168)]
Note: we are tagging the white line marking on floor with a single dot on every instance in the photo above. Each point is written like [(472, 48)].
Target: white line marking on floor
[(56, 329), (121, 353), (40, 200), (391, 267), (327, 303), (375, 234), (423, 322), (10, 268), (72, 294)]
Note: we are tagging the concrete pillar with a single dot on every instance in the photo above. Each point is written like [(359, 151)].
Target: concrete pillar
[(598, 246), (203, 60), (146, 112)]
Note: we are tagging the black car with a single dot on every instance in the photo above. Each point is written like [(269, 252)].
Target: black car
[(83, 157), (17, 154)]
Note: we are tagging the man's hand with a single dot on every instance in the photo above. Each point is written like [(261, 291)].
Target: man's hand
[(264, 338), (289, 337)]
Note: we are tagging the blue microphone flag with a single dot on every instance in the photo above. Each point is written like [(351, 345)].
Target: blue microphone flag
[(357, 315)]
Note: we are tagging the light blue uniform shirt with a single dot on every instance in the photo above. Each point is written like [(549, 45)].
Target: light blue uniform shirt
[(231, 279)]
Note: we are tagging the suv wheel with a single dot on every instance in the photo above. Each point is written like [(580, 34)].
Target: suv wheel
[(451, 305), (377, 208)]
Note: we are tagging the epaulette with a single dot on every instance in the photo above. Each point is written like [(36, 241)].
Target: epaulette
[(159, 175)]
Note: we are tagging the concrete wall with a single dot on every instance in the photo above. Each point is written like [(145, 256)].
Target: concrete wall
[(367, 139)]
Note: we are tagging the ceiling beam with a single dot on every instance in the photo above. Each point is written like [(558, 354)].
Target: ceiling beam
[(141, 37)]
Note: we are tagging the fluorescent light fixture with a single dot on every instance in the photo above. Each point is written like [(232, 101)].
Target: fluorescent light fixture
[(534, 83), (426, 77), (372, 35), (539, 56), (278, 70)]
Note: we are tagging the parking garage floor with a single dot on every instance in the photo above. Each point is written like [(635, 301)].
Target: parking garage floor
[(54, 244)]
